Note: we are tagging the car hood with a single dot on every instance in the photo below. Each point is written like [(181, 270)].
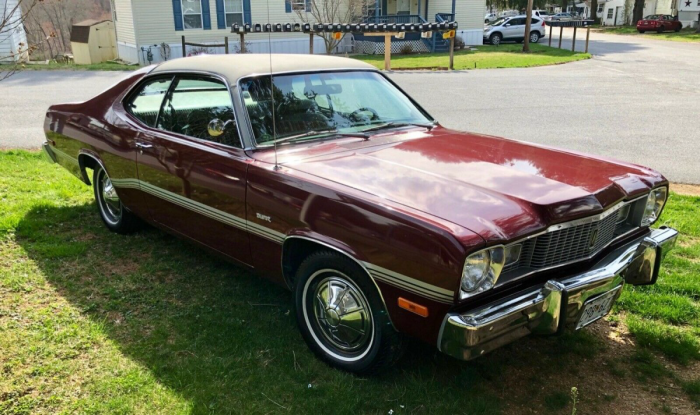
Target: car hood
[(501, 189)]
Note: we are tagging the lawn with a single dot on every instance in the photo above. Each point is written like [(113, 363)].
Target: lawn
[(685, 35), (485, 57), (104, 66), (94, 322)]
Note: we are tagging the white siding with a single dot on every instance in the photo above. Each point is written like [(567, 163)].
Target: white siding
[(155, 24), (124, 24), (12, 36)]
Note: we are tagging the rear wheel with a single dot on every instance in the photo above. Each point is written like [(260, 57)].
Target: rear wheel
[(640, 31), (113, 213), (534, 37), (495, 39), (660, 30), (341, 315)]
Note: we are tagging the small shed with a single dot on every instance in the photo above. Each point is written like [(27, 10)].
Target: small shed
[(93, 41)]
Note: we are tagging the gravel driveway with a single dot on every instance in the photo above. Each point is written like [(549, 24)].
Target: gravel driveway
[(636, 100)]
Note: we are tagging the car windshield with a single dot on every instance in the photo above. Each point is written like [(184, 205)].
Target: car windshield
[(310, 105), (498, 22), (652, 17)]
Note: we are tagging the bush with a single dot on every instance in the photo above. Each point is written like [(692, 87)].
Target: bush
[(406, 49)]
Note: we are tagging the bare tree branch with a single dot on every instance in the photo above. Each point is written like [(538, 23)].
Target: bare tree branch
[(333, 11)]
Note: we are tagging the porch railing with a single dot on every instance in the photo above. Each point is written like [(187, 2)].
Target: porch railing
[(396, 18)]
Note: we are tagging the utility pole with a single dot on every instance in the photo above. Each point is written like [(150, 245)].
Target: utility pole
[(528, 22)]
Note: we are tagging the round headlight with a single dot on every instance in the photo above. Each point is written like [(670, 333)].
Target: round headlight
[(655, 204), (476, 268)]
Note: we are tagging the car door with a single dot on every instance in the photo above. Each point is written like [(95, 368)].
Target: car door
[(195, 182), (516, 30)]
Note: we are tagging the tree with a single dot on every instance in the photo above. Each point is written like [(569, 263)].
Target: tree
[(637, 11), (528, 24), (594, 10), (12, 19), (333, 11)]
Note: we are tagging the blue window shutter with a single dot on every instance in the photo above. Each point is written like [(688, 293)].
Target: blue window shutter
[(308, 5), (220, 14), (246, 12), (206, 17), (288, 6), (177, 14)]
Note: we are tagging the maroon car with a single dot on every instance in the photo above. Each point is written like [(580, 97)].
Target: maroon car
[(659, 23), (321, 174)]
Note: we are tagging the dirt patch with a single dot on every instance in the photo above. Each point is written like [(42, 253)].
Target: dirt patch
[(606, 382), (686, 189)]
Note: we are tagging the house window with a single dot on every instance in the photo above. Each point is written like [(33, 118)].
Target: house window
[(600, 8), (192, 14), (610, 13), (234, 12), (299, 5), (371, 8)]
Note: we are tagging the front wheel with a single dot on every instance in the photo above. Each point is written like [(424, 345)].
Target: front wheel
[(341, 315), (660, 30), (534, 37), (495, 39), (641, 31), (113, 213), (678, 28)]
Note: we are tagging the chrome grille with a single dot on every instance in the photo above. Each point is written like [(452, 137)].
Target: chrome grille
[(572, 243)]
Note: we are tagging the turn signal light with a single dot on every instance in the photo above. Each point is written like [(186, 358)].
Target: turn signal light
[(413, 307)]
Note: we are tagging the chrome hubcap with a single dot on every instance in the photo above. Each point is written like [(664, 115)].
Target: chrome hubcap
[(110, 204), (342, 313)]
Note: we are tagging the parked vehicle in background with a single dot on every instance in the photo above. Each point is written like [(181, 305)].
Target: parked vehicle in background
[(562, 17), (513, 29), (544, 14), (659, 23), (508, 13), (490, 17)]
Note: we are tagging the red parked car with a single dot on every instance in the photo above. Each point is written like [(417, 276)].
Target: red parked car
[(659, 23), (325, 177)]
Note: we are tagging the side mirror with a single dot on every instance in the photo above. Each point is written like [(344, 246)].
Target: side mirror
[(216, 127)]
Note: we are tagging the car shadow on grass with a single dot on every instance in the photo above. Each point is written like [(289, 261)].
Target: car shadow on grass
[(226, 340)]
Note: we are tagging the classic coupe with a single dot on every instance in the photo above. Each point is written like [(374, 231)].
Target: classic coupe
[(321, 174), (659, 23)]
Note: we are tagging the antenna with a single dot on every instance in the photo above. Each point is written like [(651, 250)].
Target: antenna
[(272, 87)]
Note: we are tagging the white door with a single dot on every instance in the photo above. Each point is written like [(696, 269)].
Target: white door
[(619, 16)]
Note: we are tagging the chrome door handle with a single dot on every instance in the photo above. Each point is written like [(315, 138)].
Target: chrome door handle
[(142, 146)]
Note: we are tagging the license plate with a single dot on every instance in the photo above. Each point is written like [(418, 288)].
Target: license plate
[(597, 308)]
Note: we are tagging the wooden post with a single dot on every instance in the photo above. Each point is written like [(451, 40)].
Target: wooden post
[(452, 53), (588, 35), (387, 52), (226, 45), (242, 35), (550, 35), (573, 43), (184, 50), (311, 43), (561, 31)]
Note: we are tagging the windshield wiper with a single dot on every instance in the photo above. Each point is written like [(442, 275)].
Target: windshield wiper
[(399, 124), (311, 133)]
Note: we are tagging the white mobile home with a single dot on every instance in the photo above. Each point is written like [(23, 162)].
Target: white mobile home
[(13, 40), (144, 24)]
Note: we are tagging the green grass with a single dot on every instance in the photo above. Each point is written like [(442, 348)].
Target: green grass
[(685, 35), (485, 57), (94, 322), (104, 66)]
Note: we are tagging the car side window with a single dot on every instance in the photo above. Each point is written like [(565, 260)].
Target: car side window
[(146, 102), (535, 21), (194, 104)]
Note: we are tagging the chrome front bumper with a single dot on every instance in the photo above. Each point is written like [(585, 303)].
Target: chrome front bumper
[(556, 305), (48, 153)]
